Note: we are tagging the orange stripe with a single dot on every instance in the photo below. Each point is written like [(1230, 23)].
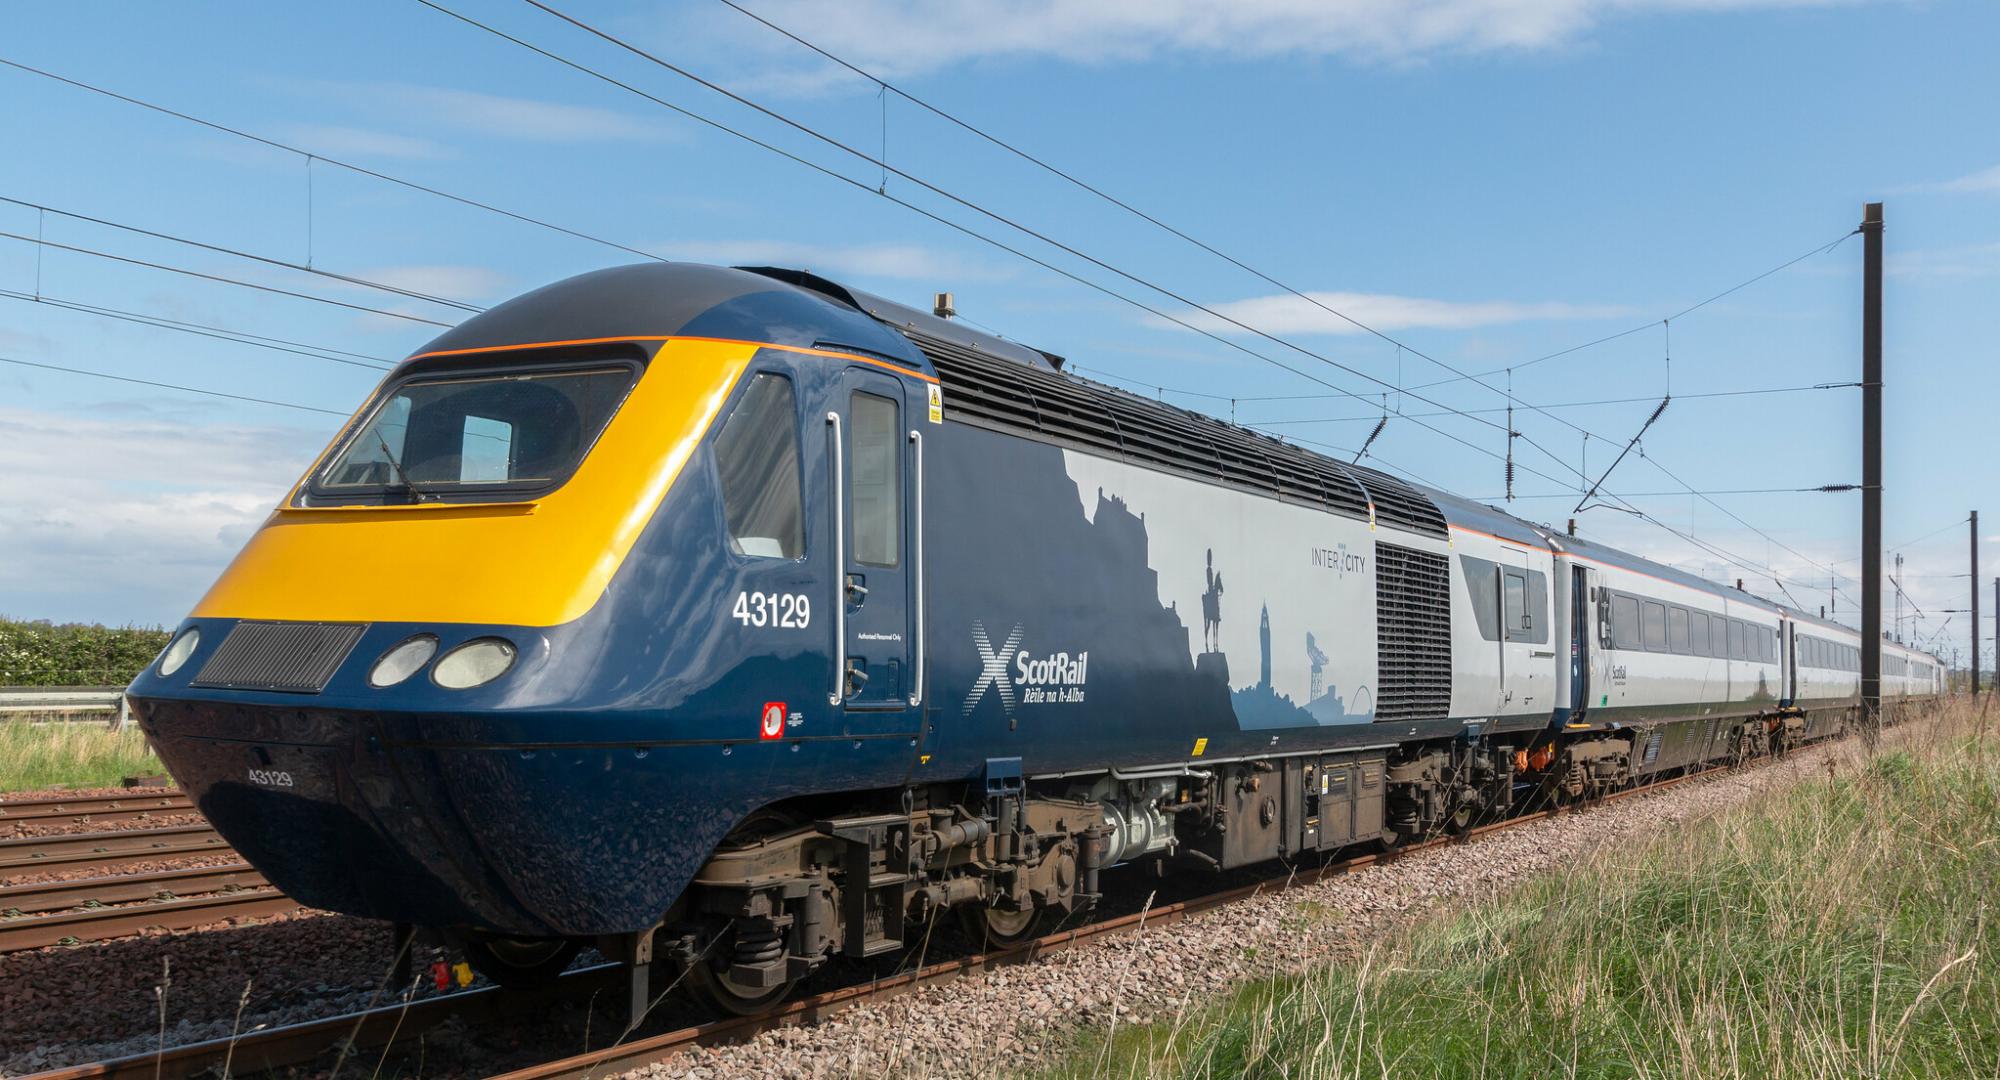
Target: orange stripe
[(857, 357), (540, 345), (898, 368), (1524, 546)]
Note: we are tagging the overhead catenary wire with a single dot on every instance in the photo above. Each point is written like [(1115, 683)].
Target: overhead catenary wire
[(1573, 404), (238, 253), (169, 386), (316, 155), (218, 278), (1121, 204), (219, 333)]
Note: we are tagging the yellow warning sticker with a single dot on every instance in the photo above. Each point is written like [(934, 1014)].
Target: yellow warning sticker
[(1200, 745), (924, 759), (937, 403)]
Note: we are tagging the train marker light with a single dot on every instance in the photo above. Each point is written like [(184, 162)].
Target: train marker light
[(772, 725), (178, 653), (403, 661), (474, 663)]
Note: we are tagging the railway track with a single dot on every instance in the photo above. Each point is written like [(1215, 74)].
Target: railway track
[(28, 854), (64, 811), (100, 908), (299, 1044)]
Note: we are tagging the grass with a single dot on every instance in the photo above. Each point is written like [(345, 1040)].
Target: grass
[(1840, 926), (62, 754)]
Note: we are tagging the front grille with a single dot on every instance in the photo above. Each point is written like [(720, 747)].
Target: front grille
[(298, 657), (1412, 634)]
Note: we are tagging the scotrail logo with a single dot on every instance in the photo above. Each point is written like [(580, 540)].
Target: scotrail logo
[(1056, 678)]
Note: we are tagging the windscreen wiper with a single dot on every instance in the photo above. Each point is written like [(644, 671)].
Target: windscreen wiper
[(401, 476)]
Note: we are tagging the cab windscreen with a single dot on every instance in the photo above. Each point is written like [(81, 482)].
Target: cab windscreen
[(477, 436)]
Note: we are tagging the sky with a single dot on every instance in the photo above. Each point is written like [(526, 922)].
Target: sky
[(1484, 185)]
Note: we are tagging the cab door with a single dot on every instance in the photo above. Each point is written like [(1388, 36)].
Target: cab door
[(874, 458)]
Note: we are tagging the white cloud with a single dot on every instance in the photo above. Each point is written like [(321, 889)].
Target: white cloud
[(903, 37), (1969, 260), (334, 139), (131, 519), (1288, 314), (494, 114), (468, 283), (1983, 180), (910, 262)]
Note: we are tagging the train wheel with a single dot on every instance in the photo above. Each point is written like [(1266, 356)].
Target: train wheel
[(709, 978), (520, 963), (708, 975), (994, 928)]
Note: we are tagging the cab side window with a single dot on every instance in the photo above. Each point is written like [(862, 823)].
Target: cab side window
[(877, 481), (757, 463)]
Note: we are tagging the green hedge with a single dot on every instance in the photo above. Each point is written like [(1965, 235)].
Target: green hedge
[(42, 654)]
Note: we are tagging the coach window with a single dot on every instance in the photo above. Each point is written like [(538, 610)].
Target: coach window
[(1625, 621), (1514, 589), (878, 480), (1735, 640), (1698, 633), (757, 462), (1656, 626), (1677, 629)]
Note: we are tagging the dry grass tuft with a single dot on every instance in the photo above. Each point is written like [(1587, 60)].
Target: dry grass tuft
[(1835, 927)]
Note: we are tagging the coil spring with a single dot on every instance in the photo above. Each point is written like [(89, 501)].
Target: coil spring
[(758, 944)]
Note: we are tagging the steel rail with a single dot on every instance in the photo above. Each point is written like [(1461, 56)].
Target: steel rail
[(297, 1044), (102, 924), (71, 811), (27, 854), (40, 897)]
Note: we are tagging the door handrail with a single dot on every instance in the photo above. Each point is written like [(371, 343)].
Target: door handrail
[(917, 570), (839, 693)]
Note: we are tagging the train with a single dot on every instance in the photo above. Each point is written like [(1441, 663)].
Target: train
[(738, 620)]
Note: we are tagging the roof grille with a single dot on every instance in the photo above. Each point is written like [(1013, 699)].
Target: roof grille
[(992, 392), (295, 657), (1412, 634)]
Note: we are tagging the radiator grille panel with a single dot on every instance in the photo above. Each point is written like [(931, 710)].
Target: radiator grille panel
[(1412, 634), (297, 657), (998, 393)]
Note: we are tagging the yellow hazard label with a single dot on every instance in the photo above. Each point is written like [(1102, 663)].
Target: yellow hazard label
[(1199, 746), (923, 759), (937, 403)]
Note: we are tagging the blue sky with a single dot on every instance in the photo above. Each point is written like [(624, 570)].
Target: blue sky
[(1486, 181)]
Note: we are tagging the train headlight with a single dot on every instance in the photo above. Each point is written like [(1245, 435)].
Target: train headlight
[(403, 661), (474, 663), (178, 652)]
